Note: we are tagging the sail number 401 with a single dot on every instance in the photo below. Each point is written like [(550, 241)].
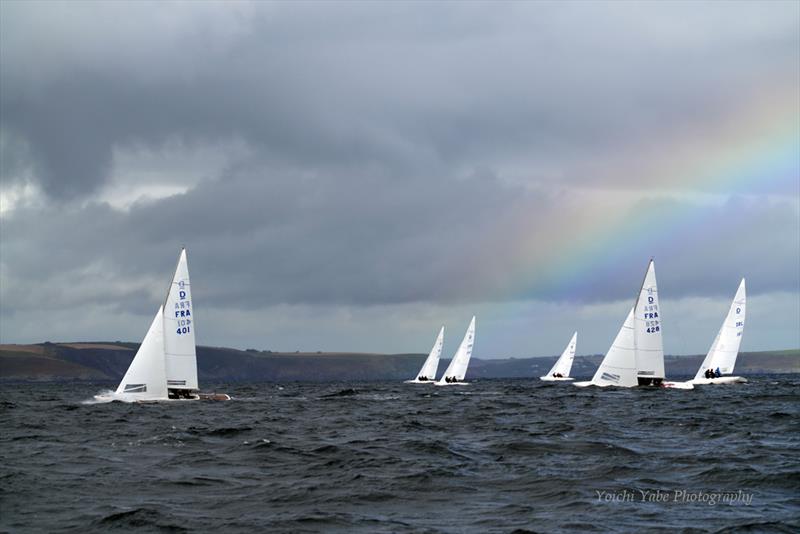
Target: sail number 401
[(183, 330)]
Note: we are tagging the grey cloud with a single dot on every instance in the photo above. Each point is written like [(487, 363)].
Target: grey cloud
[(394, 153), (396, 86), (370, 240)]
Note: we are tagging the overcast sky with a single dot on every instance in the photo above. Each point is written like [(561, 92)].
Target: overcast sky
[(350, 176)]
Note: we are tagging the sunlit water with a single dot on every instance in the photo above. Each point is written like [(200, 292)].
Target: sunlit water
[(495, 456)]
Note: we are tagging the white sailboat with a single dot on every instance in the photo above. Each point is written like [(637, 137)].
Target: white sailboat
[(562, 367), (427, 375), (636, 357), (722, 355), (165, 366), (458, 365)]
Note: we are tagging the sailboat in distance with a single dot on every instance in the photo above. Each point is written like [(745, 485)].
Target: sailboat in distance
[(636, 357), (721, 358), (457, 369), (562, 367), (427, 375), (165, 366)]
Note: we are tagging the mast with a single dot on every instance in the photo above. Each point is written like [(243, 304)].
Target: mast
[(636, 305)]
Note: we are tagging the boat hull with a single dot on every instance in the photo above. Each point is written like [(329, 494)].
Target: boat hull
[(677, 385), (583, 384), (419, 382), (555, 378), (213, 397), (451, 383), (719, 380)]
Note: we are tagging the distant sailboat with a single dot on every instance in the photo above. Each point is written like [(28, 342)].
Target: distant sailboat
[(721, 357), (563, 365), (457, 369), (427, 375), (165, 366), (636, 357)]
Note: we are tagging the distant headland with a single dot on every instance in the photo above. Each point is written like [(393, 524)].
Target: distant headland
[(101, 361)]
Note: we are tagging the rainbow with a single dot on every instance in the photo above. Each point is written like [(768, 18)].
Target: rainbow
[(690, 178)]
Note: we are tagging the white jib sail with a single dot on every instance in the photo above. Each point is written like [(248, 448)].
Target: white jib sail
[(146, 377), (458, 366), (725, 348), (564, 363), (618, 368), (647, 331), (432, 361), (179, 326)]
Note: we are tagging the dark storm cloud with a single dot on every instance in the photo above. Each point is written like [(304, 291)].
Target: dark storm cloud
[(432, 87), (365, 241), (395, 153)]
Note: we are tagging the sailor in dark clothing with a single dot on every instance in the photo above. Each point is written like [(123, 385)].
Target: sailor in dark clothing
[(717, 374)]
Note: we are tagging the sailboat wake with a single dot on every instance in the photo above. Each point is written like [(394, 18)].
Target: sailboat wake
[(107, 395)]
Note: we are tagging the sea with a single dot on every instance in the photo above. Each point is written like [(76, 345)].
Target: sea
[(372, 457)]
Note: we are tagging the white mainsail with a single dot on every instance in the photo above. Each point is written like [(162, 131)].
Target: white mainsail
[(428, 371), (146, 378), (458, 366), (179, 326), (725, 349), (563, 365), (647, 332)]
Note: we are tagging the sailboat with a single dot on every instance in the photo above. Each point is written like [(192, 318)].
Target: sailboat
[(165, 366), (563, 365), (721, 356), (458, 365), (427, 375), (636, 357)]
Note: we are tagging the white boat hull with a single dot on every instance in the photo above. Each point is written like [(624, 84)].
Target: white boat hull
[(419, 382), (719, 380), (677, 385), (555, 379), (583, 384), (451, 383), (132, 399)]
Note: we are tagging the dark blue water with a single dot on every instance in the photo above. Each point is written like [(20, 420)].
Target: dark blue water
[(495, 456)]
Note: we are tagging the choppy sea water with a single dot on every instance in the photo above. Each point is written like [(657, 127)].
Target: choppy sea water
[(494, 456)]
